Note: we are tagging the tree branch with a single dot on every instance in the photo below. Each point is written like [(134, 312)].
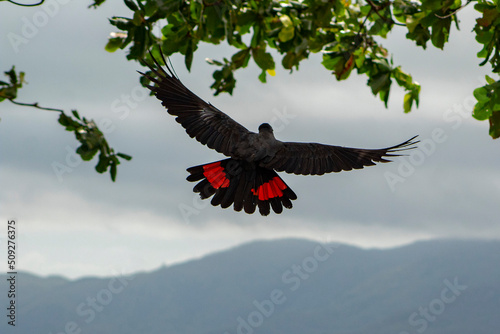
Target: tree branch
[(26, 5), (376, 8), (35, 105), (456, 11)]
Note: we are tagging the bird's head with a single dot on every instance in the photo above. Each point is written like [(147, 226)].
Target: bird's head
[(265, 127)]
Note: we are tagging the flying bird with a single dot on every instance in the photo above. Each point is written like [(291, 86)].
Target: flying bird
[(248, 178)]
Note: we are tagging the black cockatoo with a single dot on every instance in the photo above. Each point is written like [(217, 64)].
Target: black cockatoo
[(248, 178)]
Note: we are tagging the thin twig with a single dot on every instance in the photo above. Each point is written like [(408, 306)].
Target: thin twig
[(362, 26), (26, 5), (456, 11), (387, 20), (398, 24), (35, 105)]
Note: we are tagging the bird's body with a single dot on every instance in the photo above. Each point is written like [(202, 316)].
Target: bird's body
[(256, 147), (248, 178)]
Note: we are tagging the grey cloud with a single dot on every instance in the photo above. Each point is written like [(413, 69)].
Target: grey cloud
[(451, 193)]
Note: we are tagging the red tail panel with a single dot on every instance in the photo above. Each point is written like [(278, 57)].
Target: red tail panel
[(214, 173), (270, 189), (243, 184)]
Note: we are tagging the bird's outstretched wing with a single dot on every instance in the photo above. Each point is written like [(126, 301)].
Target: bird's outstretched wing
[(201, 120), (318, 159)]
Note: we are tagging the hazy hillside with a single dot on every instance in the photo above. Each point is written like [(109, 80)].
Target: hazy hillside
[(286, 286)]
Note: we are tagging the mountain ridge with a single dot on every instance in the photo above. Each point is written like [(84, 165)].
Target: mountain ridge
[(282, 286)]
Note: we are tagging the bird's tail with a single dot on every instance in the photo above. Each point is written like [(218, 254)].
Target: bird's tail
[(246, 186)]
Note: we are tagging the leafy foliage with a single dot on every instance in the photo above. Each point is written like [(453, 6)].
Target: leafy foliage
[(8, 90), (92, 141), (488, 34), (86, 131), (346, 32)]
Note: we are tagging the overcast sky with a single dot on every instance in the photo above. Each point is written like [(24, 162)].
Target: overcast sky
[(82, 224)]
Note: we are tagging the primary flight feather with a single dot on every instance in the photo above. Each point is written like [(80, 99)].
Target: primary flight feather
[(248, 178)]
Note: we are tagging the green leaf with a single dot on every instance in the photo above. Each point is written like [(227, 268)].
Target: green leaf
[(287, 32), (151, 7), (412, 21), (124, 156), (379, 82), (484, 37), (241, 58), (383, 65), (102, 165), (86, 152), (440, 32), (489, 80), (331, 60), (96, 3), (113, 172), (20, 81), (407, 102), (495, 100), (286, 21), (481, 94), (138, 49), (433, 5), (188, 59), (114, 159), (9, 91), (213, 62), (121, 23), (263, 59), (257, 36), (364, 10), (176, 39), (495, 124), (137, 19), (68, 122), (489, 16), (289, 60), (402, 78), (341, 63), (131, 5), (114, 44), (384, 94), (420, 35), (244, 21), (224, 80), (481, 111), (75, 113), (12, 75), (359, 57), (262, 76)]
